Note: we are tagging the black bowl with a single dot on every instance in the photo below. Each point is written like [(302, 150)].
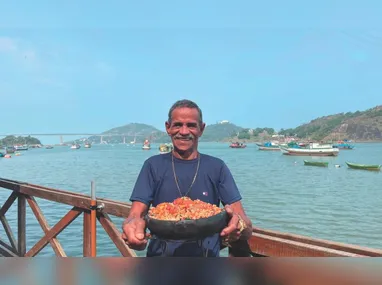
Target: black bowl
[(188, 229)]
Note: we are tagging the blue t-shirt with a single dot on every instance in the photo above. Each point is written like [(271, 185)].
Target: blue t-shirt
[(156, 184)]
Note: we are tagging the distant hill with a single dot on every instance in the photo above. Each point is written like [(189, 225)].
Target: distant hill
[(13, 140), (130, 131), (359, 126), (219, 132)]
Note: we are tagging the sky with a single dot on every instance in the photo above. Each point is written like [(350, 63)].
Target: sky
[(88, 66)]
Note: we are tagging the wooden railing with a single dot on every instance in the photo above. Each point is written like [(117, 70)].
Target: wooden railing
[(263, 242)]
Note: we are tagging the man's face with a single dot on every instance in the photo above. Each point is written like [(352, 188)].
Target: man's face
[(185, 128)]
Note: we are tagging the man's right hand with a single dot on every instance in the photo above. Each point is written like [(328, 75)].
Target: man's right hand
[(133, 232)]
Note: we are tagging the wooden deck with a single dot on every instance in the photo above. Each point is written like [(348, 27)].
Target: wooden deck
[(264, 242)]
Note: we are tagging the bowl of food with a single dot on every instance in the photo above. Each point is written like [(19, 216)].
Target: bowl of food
[(186, 219)]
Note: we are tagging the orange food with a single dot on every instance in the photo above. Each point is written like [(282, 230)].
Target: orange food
[(182, 209)]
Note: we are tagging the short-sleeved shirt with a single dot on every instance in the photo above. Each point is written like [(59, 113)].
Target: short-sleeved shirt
[(156, 184)]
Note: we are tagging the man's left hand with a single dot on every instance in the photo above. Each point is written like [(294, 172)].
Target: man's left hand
[(233, 230)]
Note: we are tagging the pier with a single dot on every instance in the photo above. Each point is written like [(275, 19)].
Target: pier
[(98, 212)]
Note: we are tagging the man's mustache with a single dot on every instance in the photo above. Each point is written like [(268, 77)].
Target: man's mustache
[(187, 137)]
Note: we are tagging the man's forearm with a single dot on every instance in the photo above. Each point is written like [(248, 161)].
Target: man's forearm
[(138, 210)]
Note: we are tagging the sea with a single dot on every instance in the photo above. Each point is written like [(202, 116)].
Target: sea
[(279, 192)]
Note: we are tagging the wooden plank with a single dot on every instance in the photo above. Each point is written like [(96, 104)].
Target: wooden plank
[(8, 203), (82, 201), (115, 235), (21, 225), (56, 230), (59, 251), (322, 243), (86, 234), (278, 247), (9, 232)]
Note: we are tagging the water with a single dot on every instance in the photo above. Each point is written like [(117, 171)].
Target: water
[(279, 192)]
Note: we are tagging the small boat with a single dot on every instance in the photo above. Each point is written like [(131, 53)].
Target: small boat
[(146, 145), (316, 163), (165, 148), (21, 147), (237, 145), (87, 145), (364, 166), (343, 145), (49, 147), (75, 146)]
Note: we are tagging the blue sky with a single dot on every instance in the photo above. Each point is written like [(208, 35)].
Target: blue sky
[(91, 66)]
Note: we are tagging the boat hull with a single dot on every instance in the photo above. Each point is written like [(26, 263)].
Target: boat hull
[(316, 163), (267, 148), (373, 167), (309, 152)]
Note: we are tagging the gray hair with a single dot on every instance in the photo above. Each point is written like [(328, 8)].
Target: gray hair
[(185, 104)]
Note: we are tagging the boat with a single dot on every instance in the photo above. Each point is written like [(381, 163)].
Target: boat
[(21, 147), (343, 145), (87, 145), (316, 163), (146, 145), (49, 147), (269, 146), (75, 146), (376, 167), (313, 149), (237, 145), (165, 148)]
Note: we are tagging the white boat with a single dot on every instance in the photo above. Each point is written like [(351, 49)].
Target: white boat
[(87, 145), (313, 149), (75, 146), (146, 145)]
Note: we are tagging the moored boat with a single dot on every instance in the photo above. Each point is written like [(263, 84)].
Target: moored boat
[(316, 163), (146, 145), (269, 146), (75, 146), (313, 149), (237, 145), (343, 145), (376, 167)]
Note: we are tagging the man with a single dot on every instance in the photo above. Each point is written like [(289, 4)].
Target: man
[(185, 172)]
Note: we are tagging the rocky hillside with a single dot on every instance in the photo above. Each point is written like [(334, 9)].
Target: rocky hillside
[(357, 126)]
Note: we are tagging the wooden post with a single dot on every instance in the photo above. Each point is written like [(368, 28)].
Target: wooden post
[(21, 225), (93, 215)]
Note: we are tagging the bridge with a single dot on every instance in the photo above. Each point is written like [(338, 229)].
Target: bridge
[(84, 134)]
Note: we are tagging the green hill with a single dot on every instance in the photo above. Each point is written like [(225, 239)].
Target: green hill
[(219, 132), (13, 140), (360, 126), (130, 131)]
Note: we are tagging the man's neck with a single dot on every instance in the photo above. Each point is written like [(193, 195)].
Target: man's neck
[(187, 155)]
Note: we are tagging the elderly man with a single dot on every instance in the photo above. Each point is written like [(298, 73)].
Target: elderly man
[(185, 172)]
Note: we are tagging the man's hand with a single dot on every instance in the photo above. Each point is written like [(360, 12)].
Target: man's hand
[(133, 232), (233, 230)]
